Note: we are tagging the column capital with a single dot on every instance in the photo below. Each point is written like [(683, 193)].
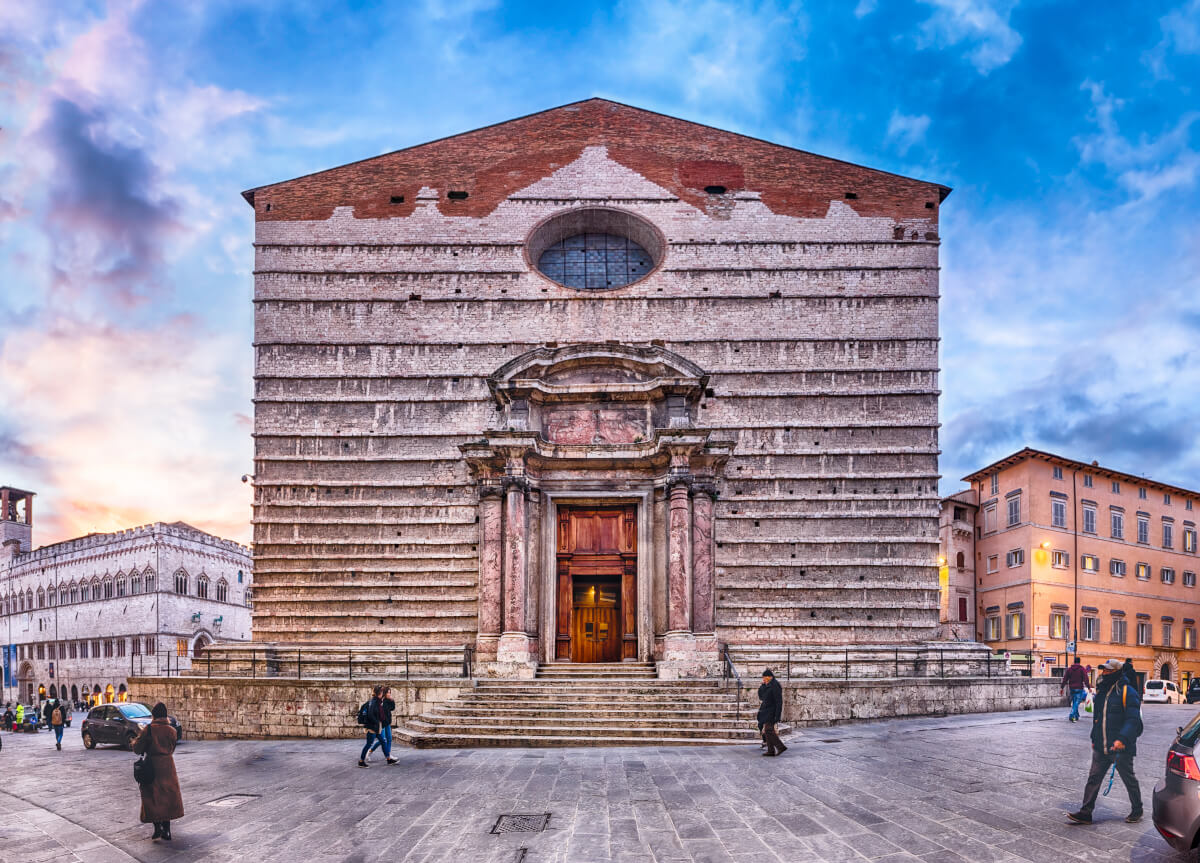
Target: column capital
[(489, 489), (508, 483), (708, 488)]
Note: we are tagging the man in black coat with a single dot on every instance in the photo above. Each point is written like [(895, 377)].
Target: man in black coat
[(1116, 725), (1130, 673), (770, 711)]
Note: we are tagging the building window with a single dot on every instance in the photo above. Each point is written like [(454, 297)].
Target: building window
[(1087, 480), (248, 598), (995, 483), (1118, 630), (239, 576), (1189, 540), (135, 646), (74, 650), (1189, 579), (1016, 557), (1141, 494), (1059, 625), (1116, 487), (202, 586), (1057, 472), (1016, 624), (1168, 534), (1189, 638), (1089, 519), (960, 513), (181, 647), (1143, 530), (223, 586), (62, 595), (74, 592), (1144, 634), (121, 585), (83, 650), (1118, 525), (1014, 510), (1060, 559), (135, 585), (149, 581), (52, 651), (1117, 568), (1188, 504), (989, 518), (1143, 571), (41, 598), (149, 645), (993, 563), (992, 629), (1089, 628), (108, 588), (1166, 635), (962, 609), (108, 648), (41, 651), (181, 582), (1089, 562), (96, 648), (1167, 574), (1167, 499), (1058, 513), (120, 647)]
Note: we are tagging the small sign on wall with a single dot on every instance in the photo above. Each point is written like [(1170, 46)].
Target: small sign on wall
[(1043, 631)]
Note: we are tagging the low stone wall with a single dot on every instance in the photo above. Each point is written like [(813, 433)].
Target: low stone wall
[(827, 702), (212, 708)]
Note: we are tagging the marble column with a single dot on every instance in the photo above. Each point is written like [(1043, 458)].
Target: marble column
[(679, 562), (703, 573), (491, 550), (515, 530)]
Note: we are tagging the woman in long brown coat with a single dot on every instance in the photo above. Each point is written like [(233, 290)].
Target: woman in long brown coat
[(162, 801)]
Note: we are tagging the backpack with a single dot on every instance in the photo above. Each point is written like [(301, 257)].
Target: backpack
[(56, 717), (364, 713), (1124, 701), (143, 771)]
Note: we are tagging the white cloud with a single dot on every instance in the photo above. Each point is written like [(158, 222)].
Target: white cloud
[(865, 8), (906, 131), (981, 24)]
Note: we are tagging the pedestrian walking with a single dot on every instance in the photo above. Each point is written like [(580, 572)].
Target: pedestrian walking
[(1116, 725), (368, 718), (162, 799), (1130, 673), (1076, 680), (58, 721), (20, 716), (770, 711), (386, 707)]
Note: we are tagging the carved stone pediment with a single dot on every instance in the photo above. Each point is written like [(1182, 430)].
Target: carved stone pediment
[(597, 394)]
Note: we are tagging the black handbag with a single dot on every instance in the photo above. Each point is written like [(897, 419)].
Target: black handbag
[(143, 771)]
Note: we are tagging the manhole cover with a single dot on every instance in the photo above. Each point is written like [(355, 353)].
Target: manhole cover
[(231, 800), (831, 740), (521, 823)]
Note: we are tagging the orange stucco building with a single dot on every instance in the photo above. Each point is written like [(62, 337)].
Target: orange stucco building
[(1069, 552)]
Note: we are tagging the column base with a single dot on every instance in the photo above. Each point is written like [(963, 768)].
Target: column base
[(689, 655), (486, 646), (516, 656)]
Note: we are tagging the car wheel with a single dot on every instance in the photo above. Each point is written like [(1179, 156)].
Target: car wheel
[(129, 741), (88, 742)]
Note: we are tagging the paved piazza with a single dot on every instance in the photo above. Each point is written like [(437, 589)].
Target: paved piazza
[(940, 790)]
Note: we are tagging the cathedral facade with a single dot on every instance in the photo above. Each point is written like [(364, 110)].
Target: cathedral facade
[(592, 385)]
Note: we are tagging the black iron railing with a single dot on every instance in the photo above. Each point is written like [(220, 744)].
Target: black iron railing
[(729, 671), (317, 664)]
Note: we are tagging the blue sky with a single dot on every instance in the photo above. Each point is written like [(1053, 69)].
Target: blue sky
[(1068, 130)]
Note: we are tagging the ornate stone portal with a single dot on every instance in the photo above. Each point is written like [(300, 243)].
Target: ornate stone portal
[(592, 426)]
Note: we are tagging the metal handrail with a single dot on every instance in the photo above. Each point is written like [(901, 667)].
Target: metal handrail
[(468, 665), (728, 670)]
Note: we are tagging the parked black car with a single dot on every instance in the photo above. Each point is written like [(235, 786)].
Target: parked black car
[(119, 724), (1177, 795), (1193, 691)]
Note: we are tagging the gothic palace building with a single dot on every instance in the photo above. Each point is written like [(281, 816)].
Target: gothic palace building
[(597, 384)]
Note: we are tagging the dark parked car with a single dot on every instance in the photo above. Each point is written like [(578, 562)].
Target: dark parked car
[(119, 724), (1193, 690), (1176, 800)]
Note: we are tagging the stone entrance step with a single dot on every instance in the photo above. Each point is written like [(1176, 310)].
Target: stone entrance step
[(602, 704)]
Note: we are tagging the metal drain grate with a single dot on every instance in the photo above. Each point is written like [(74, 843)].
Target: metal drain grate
[(231, 800), (521, 823)]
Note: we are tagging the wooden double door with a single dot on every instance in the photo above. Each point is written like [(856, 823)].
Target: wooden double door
[(597, 584)]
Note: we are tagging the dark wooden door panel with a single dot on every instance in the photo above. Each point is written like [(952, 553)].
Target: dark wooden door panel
[(597, 637), (597, 547)]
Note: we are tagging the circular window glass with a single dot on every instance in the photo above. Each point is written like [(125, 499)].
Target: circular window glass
[(595, 261), (595, 248)]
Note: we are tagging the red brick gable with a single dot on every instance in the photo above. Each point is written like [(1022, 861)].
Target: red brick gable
[(491, 163)]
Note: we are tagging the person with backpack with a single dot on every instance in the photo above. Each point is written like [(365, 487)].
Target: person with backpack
[(369, 718), (386, 707), (58, 721), (1116, 726)]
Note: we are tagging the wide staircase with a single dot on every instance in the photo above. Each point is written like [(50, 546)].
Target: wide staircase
[(599, 704)]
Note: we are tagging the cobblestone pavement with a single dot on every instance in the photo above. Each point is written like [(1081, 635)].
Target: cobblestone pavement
[(972, 788)]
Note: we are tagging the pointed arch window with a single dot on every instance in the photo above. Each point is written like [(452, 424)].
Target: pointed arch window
[(148, 577), (202, 586), (181, 582), (222, 591), (122, 584), (135, 583), (108, 588)]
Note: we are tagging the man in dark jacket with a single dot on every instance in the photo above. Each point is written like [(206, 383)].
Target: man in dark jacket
[(1116, 724), (1130, 674), (770, 711), (373, 723), (1075, 679)]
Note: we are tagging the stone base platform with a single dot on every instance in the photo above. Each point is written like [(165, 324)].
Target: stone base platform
[(279, 707)]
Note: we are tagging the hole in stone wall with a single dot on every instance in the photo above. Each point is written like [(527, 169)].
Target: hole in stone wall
[(852, 196), (414, 296), (268, 208), (396, 199), (775, 295), (929, 205), (715, 190), (457, 196)]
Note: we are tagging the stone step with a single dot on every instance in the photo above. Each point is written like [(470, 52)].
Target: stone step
[(602, 695), (728, 732), (455, 708), (439, 740), (670, 723), (618, 674)]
